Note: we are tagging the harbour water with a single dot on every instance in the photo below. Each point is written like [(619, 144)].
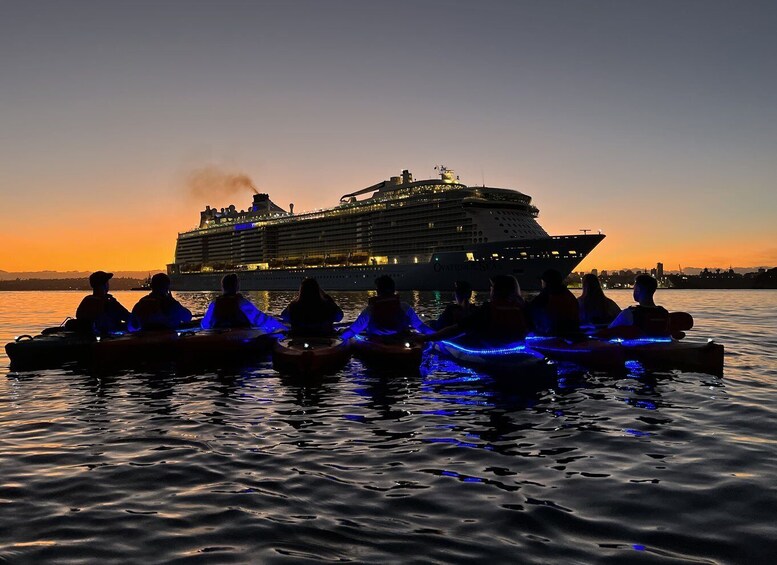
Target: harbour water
[(448, 465)]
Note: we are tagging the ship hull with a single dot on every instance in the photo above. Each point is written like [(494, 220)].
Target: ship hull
[(526, 260)]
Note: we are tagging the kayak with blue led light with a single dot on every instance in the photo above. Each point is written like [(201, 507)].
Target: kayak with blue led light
[(310, 356), (514, 358), (590, 353), (387, 352)]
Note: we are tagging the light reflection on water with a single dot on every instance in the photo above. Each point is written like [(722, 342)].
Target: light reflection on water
[(445, 465)]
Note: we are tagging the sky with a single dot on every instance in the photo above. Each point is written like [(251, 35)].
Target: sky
[(654, 122)]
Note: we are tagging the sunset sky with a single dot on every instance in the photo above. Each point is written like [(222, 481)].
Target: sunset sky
[(655, 122)]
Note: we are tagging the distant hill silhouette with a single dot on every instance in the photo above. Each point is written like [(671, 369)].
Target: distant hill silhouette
[(81, 283), (45, 275)]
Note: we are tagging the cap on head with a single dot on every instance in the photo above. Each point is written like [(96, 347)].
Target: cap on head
[(160, 282), (230, 283), (99, 278)]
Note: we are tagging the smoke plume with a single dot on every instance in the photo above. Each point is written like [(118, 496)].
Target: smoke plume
[(212, 182)]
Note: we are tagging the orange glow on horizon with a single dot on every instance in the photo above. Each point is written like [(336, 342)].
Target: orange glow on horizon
[(134, 228)]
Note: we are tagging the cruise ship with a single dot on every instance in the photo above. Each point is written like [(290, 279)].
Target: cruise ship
[(426, 234)]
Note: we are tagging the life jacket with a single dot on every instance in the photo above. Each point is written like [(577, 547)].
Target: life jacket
[(100, 313), (227, 312), (453, 314), (156, 313), (387, 315), (314, 319), (556, 313), (506, 321), (652, 320)]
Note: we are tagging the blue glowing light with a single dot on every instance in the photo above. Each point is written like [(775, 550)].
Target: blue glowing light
[(507, 350), (241, 227), (638, 547), (634, 366), (641, 341), (533, 337)]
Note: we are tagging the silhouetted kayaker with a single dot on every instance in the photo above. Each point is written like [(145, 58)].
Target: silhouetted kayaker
[(158, 310), (459, 309), (233, 310), (313, 312), (594, 307), (386, 314), (650, 319), (499, 320), (554, 311), (100, 312)]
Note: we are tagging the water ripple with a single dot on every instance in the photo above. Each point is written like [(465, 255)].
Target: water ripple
[(444, 466)]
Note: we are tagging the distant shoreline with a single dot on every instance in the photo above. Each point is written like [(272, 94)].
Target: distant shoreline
[(67, 284)]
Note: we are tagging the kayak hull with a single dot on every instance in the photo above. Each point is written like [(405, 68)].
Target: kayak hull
[(515, 361), (310, 356), (693, 356), (590, 353), (51, 350), (388, 353)]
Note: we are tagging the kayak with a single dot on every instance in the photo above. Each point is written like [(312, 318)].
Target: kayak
[(50, 349), (388, 352), (310, 356), (590, 353), (53, 348), (514, 359), (222, 345), (616, 348), (652, 353), (660, 354)]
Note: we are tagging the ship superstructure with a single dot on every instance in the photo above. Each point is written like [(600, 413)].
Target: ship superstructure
[(425, 233)]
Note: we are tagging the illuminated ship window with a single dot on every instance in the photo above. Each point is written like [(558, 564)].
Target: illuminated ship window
[(459, 228), (554, 252), (431, 225), (470, 256)]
